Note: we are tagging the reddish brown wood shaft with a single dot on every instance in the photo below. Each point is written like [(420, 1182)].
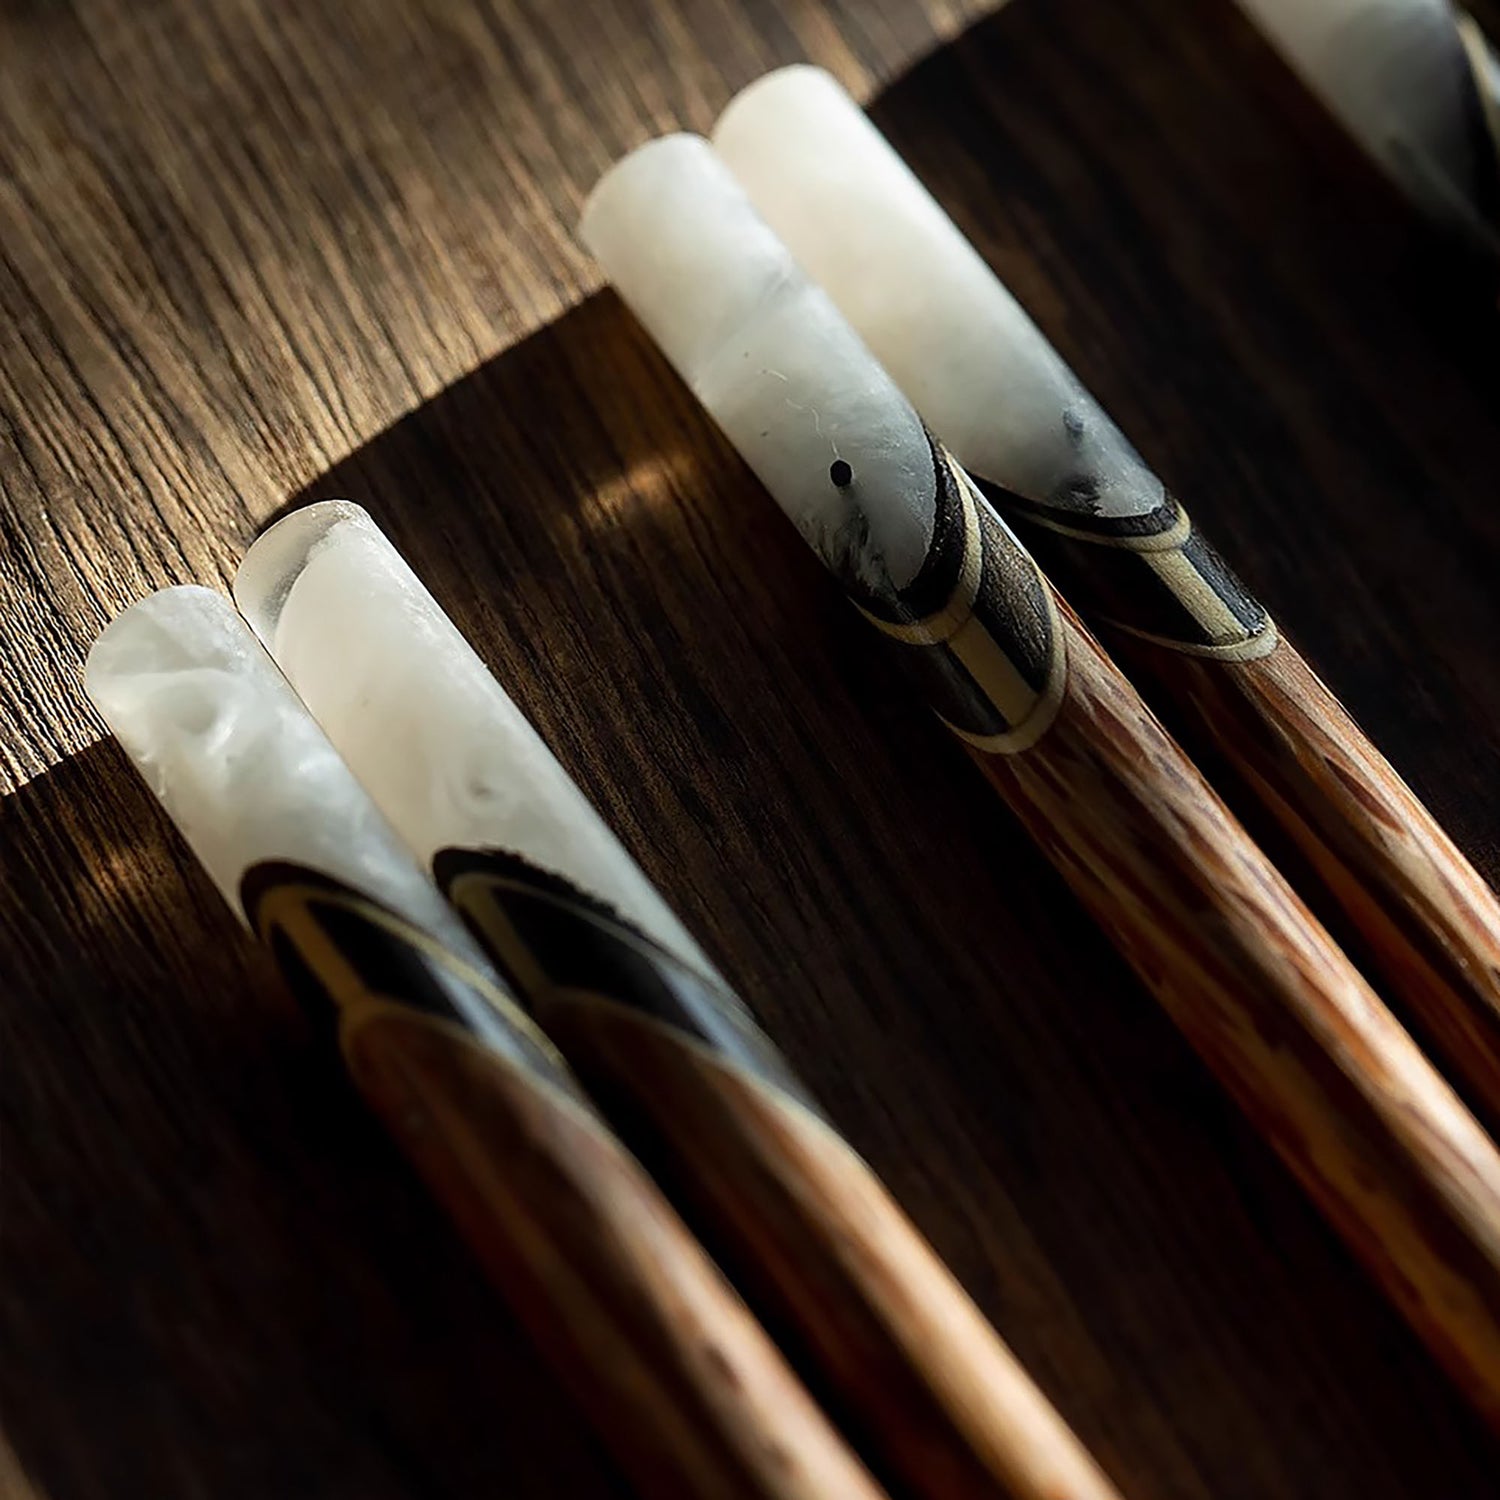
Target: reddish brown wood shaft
[(690, 1393), (1427, 918), (1276, 1009), (905, 1358)]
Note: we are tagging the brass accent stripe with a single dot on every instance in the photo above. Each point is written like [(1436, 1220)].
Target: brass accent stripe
[(935, 629), (288, 906), (993, 671), (1197, 596), (1023, 735), (1262, 643), (473, 894), (1170, 588), (1175, 536)]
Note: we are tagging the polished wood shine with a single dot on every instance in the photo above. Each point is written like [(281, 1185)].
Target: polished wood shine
[(689, 1391), (1356, 1110), (254, 252), (1428, 920), (894, 1345)]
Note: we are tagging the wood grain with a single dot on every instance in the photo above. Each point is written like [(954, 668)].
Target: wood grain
[(239, 243), (671, 1367), (687, 1389), (1428, 922), (899, 1355), (1383, 1145)]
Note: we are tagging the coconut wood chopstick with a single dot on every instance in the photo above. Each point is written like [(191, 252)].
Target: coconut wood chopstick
[(909, 1364), (684, 1385), (1393, 1158), (1104, 528)]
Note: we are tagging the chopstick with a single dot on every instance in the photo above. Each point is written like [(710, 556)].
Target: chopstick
[(1429, 920), (1104, 528), (684, 1385), (1281, 1015), (910, 1365)]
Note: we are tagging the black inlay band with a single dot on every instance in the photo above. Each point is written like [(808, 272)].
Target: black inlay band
[(338, 948), (1014, 507), (975, 629), (551, 939), (938, 577), (1013, 602), (1152, 574)]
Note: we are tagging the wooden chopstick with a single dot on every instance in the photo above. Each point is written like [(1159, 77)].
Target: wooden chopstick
[(1123, 549), (1278, 1011), (694, 1400), (1396, 1162), (1274, 1007), (1428, 919), (905, 1360)]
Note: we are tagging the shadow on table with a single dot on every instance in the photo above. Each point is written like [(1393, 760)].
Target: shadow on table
[(691, 665), (238, 1262), (218, 1275), (1296, 353)]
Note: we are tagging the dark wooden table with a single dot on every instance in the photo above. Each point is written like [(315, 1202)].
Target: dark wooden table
[(253, 252)]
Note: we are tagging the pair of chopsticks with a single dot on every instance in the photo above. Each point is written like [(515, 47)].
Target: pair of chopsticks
[(332, 802), (1099, 523), (337, 801), (684, 1385), (816, 299)]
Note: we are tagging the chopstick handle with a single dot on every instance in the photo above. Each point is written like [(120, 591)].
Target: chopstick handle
[(1397, 1164), (686, 1388), (1275, 1008), (1430, 922), (905, 1357), (1248, 704)]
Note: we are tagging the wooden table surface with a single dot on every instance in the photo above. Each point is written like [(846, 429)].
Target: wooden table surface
[(251, 253)]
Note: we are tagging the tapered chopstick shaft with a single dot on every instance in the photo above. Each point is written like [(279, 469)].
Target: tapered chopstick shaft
[(1429, 920), (1105, 529), (684, 1385), (1338, 1087), (905, 1358), (1397, 1163)]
